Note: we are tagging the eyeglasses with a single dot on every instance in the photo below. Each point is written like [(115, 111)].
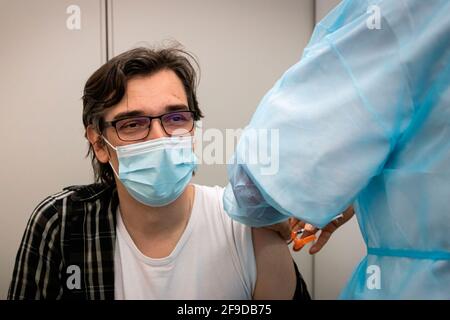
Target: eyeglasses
[(175, 123)]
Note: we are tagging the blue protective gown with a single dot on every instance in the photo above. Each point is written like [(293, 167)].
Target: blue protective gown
[(363, 118)]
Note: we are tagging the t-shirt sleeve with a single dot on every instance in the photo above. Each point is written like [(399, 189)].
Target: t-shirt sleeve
[(240, 240)]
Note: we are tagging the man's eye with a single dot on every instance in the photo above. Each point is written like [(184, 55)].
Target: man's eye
[(131, 125), (176, 118)]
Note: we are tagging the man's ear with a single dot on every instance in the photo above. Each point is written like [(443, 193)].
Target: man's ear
[(99, 146)]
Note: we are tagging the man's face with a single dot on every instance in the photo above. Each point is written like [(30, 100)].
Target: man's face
[(152, 95)]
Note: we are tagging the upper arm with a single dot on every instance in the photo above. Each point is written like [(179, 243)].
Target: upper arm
[(275, 269)]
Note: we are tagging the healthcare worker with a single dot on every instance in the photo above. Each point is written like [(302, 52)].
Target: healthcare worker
[(364, 119)]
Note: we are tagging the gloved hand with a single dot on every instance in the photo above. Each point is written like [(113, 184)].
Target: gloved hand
[(286, 228)]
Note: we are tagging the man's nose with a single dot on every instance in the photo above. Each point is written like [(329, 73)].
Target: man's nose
[(156, 130)]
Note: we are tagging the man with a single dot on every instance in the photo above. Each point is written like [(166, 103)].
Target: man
[(144, 231)]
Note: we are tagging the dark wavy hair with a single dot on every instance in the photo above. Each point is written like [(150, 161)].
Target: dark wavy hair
[(106, 87)]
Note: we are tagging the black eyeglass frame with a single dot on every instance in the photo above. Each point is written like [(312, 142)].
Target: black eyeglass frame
[(113, 124)]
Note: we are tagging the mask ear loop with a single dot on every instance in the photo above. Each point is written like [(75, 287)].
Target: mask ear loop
[(109, 161), (106, 140)]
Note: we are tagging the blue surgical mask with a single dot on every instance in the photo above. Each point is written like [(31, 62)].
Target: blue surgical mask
[(156, 172)]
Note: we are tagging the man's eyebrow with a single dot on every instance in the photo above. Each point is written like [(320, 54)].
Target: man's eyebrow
[(176, 107), (137, 113), (128, 114)]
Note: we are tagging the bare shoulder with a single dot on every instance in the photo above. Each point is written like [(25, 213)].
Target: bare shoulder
[(275, 269)]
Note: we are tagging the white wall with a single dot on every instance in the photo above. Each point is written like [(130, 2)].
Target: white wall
[(44, 67), (322, 7), (243, 48)]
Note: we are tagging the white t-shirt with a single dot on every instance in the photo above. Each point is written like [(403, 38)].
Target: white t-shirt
[(213, 259)]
